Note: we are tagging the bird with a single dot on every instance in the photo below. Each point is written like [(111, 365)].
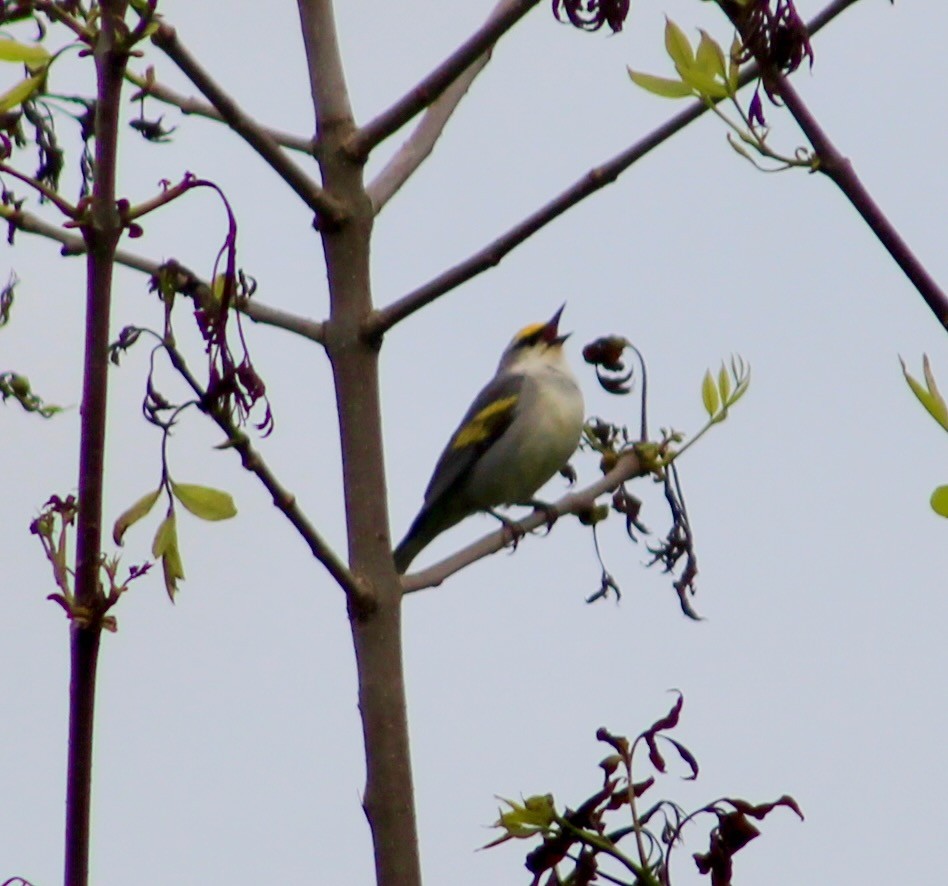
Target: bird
[(520, 430)]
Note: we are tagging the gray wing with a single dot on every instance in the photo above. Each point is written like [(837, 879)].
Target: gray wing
[(490, 415)]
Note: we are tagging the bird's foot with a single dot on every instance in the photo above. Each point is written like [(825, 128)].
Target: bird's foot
[(512, 530), (550, 513)]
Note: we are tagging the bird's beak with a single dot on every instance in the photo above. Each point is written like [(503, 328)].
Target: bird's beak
[(551, 330)]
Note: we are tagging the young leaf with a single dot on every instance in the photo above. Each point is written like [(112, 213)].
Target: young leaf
[(939, 501), (21, 92), (677, 46), (931, 398), (133, 514), (709, 394), (204, 502), (165, 548), (733, 67), (12, 51), (702, 82), (663, 86), (172, 568), (724, 384), (710, 57), (165, 536)]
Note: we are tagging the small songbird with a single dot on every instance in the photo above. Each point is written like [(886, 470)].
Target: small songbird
[(520, 430)]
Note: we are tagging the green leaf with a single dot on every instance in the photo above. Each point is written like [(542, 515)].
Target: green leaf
[(165, 548), (710, 57), (939, 501), (165, 536), (173, 569), (133, 514), (931, 397), (21, 92), (204, 502), (662, 86), (702, 82), (677, 45), (709, 394), (733, 68), (724, 384), (28, 54)]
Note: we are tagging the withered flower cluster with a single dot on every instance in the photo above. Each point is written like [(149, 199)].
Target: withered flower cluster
[(591, 15)]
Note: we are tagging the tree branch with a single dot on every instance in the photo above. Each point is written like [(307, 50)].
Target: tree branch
[(188, 283), (195, 107), (426, 134), (283, 499), (491, 255), (326, 76), (840, 171), (327, 209), (628, 466), (388, 799), (101, 228), (361, 143)]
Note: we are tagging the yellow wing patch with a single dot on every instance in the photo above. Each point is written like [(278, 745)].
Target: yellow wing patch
[(482, 425)]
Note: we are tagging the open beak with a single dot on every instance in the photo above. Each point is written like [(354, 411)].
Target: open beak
[(551, 330)]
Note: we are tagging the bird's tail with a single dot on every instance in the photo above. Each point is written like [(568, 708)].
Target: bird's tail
[(429, 523)]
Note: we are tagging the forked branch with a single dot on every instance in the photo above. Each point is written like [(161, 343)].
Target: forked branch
[(493, 253), (327, 209), (198, 108), (361, 143)]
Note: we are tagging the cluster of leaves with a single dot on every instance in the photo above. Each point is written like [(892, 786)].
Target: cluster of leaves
[(930, 397), (204, 502), (709, 74), (583, 846), (51, 527), (13, 385), (17, 387), (718, 393)]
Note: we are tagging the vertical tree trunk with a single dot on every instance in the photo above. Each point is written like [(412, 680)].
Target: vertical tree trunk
[(376, 628)]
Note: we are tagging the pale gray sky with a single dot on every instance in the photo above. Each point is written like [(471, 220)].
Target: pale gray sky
[(228, 746)]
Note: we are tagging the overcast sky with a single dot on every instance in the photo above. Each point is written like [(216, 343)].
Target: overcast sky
[(228, 744)]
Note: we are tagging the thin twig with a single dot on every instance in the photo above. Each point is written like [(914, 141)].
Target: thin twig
[(424, 93), (198, 108), (492, 254), (628, 466), (327, 209), (840, 171), (188, 283), (283, 499)]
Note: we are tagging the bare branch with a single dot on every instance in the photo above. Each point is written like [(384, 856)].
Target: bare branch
[(188, 283), (284, 500), (326, 74), (101, 228), (420, 143), (424, 93), (491, 255), (840, 171), (196, 107), (327, 209), (628, 466)]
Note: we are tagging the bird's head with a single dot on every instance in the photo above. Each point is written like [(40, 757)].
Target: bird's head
[(536, 343)]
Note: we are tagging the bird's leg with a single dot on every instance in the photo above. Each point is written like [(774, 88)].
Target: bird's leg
[(550, 513), (513, 531)]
